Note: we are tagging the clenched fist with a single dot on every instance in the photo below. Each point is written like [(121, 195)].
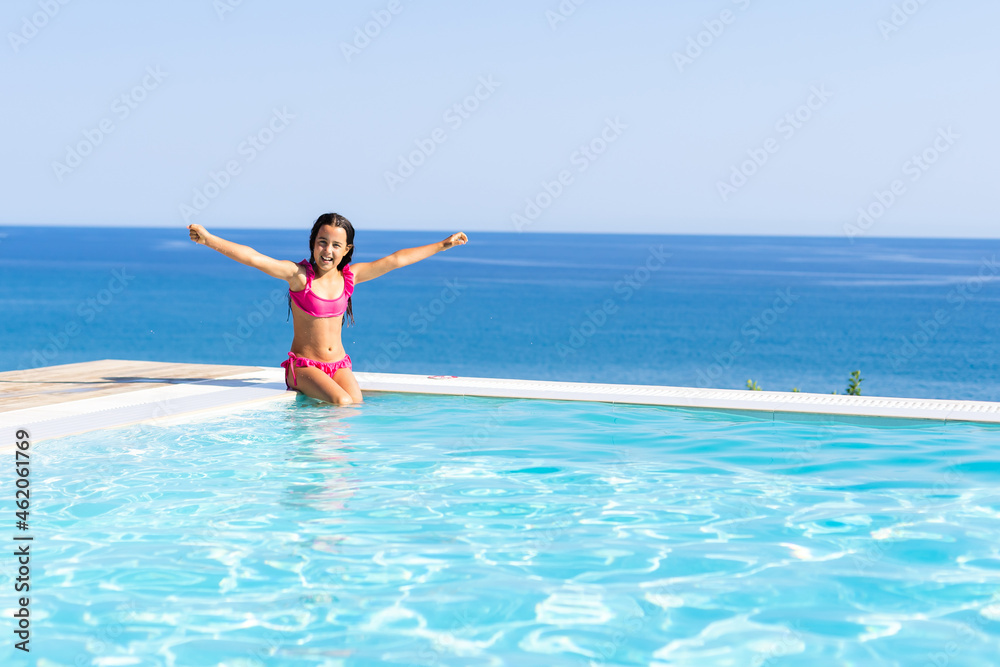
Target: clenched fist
[(458, 238), (198, 234)]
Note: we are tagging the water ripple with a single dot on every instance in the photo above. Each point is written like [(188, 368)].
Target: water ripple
[(458, 530)]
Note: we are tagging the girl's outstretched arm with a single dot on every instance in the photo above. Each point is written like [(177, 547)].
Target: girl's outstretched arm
[(277, 268), (370, 270)]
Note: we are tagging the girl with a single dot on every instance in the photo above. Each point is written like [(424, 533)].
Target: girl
[(319, 292)]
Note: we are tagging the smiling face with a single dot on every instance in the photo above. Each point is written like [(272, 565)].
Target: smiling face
[(330, 248)]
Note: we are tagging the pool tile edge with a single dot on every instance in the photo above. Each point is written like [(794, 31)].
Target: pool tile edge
[(232, 392), (775, 403)]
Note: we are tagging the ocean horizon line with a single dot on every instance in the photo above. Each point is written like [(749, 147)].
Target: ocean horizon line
[(448, 230)]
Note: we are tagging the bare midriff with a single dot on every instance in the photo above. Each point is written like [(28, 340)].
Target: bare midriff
[(317, 338)]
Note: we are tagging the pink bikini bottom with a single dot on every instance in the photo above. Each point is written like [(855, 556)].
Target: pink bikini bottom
[(328, 368)]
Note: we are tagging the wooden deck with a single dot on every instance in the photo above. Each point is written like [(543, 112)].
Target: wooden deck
[(37, 387)]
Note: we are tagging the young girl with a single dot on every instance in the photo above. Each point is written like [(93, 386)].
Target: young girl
[(319, 291)]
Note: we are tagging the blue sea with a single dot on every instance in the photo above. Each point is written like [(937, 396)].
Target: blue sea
[(917, 317)]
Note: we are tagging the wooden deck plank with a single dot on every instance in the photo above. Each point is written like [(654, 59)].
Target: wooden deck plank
[(50, 385)]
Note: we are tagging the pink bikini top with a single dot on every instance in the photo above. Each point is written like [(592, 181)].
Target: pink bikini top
[(319, 307)]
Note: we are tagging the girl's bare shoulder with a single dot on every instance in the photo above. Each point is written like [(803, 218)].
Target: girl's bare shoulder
[(298, 281)]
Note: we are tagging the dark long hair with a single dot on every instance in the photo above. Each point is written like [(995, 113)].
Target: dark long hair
[(334, 220)]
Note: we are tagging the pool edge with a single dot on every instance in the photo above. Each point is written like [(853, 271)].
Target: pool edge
[(228, 393), (777, 404)]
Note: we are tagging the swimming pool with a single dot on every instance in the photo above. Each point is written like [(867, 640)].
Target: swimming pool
[(426, 530)]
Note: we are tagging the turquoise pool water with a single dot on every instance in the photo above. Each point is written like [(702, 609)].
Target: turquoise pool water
[(429, 530)]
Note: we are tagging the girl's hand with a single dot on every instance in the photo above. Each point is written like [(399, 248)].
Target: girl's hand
[(458, 238), (198, 234)]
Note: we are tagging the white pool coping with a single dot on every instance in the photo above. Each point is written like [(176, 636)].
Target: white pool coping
[(184, 401)]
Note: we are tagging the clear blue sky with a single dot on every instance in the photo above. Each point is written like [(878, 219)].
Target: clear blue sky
[(887, 92)]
